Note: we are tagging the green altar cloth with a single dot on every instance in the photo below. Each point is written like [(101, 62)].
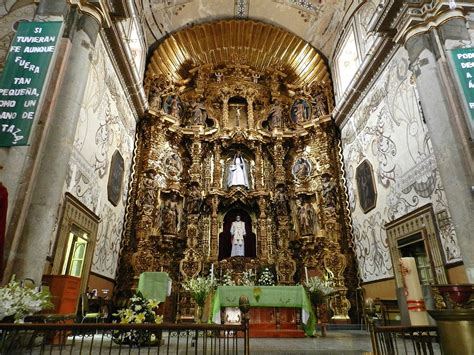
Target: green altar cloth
[(154, 285), (269, 296)]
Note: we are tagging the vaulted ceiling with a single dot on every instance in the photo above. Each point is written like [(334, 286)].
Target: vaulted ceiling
[(315, 21)]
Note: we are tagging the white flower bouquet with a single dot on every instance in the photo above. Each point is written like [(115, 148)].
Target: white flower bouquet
[(139, 311), (266, 278), (18, 302), (200, 288), (318, 289), (248, 278), (227, 279)]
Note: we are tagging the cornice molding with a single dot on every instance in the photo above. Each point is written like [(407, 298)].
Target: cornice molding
[(97, 13), (131, 84), (369, 71), (395, 22), (412, 21)]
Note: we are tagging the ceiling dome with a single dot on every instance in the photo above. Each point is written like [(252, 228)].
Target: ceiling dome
[(239, 42)]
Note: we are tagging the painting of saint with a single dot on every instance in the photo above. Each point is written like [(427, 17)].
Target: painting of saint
[(366, 186), (301, 168)]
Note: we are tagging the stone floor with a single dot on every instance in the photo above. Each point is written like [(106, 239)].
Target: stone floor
[(336, 342), (339, 342)]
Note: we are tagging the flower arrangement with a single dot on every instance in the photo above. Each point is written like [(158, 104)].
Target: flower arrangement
[(318, 289), (266, 278), (140, 310), (248, 278), (199, 287), (227, 279), (18, 302)]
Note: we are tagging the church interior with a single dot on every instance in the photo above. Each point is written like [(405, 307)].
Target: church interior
[(311, 138)]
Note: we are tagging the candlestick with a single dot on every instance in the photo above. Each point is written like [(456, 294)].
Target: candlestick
[(306, 273)]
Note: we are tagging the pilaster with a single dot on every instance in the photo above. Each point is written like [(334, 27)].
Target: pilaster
[(40, 223), (446, 122)]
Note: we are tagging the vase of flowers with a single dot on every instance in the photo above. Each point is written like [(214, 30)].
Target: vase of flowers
[(319, 291), (199, 288), (140, 310), (17, 302)]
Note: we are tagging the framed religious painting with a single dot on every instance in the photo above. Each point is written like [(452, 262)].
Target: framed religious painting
[(302, 168), (115, 182), (366, 186)]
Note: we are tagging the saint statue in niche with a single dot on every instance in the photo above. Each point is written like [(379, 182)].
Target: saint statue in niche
[(173, 106), (306, 217), (237, 231), (170, 217), (300, 111), (238, 172), (237, 237)]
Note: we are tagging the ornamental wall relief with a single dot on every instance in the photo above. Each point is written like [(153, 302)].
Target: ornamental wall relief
[(387, 131)]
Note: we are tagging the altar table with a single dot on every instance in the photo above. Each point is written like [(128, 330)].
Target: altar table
[(266, 296), (156, 285)]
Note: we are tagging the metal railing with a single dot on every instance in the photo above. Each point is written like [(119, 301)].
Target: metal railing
[(404, 340), (113, 338)]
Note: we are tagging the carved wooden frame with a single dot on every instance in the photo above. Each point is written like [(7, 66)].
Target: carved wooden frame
[(76, 214), (421, 220)]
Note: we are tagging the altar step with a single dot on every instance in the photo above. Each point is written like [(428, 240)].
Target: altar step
[(269, 331), (277, 333)]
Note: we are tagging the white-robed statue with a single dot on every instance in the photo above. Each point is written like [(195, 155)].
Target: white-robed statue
[(237, 230), (238, 172)]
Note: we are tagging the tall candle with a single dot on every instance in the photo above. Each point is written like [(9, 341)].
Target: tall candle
[(306, 273), (415, 301)]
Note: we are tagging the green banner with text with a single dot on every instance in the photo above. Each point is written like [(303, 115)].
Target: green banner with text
[(23, 77), (463, 59)]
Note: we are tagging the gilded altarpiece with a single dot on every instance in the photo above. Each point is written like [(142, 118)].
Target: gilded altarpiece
[(235, 143)]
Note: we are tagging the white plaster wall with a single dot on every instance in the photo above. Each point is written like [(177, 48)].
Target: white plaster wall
[(388, 129), (106, 124)]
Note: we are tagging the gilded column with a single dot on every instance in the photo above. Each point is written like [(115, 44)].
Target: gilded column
[(216, 179), (262, 230), (225, 111), (251, 123), (278, 155), (258, 168), (195, 171), (214, 229)]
